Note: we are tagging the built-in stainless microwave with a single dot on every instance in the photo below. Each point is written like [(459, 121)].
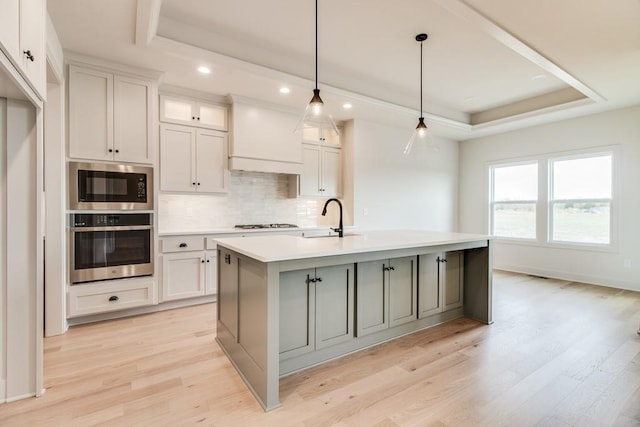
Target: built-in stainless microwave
[(97, 186)]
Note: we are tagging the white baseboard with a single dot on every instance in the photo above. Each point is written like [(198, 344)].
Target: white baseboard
[(22, 396), (570, 276)]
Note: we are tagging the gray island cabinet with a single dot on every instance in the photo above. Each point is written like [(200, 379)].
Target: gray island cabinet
[(286, 303)]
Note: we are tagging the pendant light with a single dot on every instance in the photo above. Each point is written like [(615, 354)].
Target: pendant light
[(420, 133), (316, 115)]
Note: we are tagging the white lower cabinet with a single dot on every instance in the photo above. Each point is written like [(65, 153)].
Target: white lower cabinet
[(100, 297), (188, 269), (316, 308), (441, 282), (386, 294)]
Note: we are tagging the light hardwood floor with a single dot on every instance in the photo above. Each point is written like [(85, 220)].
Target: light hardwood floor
[(558, 354)]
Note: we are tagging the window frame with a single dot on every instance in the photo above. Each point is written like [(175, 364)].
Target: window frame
[(493, 203), (552, 201), (544, 206)]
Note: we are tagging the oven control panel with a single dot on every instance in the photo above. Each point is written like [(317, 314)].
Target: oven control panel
[(110, 220)]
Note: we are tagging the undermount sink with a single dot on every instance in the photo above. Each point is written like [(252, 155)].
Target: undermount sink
[(331, 235)]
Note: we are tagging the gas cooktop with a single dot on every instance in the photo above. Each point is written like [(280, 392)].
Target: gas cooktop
[(253, 226)]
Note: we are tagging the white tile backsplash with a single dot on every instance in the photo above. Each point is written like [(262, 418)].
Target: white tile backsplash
[(253, 198)]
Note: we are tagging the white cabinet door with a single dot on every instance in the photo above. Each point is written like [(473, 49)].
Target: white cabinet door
[(211, 273), (32, 43), (193, 113), (177, 156), (10, 28), (211, 161), (132, 120), (320, 136), (183, 275), (211, 116), (310, 176), (90, 114), (331, 177)]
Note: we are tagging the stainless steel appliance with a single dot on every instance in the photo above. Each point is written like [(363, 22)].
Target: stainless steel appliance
[(109, 186), (110, 246)]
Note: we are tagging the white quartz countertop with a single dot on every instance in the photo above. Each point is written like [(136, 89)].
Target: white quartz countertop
[(233, 230), (282, 248)]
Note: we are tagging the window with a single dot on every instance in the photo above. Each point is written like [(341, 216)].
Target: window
[(580, 199), (555, 199), (513, 200)]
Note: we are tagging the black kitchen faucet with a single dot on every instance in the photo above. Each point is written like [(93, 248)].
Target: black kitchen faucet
[(324, 212)]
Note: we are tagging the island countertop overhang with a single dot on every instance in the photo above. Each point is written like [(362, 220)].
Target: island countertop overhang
[(284, 248)]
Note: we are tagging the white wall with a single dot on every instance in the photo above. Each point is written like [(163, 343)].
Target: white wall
[(619, 128), (3, 254), (393, 190)]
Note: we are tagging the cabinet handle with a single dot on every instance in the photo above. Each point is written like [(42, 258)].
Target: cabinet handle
[(183, 245), (319, 279), (227, 259), (311, 279), (29, 56), (114, 298), (388, 268)]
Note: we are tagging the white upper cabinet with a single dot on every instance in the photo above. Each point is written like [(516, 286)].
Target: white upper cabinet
[(321, 171), (193, 113), (110, 116), (192, 160), (320, 136), (22, 38)]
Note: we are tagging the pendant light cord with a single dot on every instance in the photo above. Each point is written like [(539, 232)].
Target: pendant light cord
[(316, 44), (420, 78)]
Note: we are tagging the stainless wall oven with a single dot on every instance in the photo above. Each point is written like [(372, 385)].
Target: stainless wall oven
[(110, 246), (105, 186)]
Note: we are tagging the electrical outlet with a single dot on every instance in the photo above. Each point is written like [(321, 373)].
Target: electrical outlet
[(365, 211)]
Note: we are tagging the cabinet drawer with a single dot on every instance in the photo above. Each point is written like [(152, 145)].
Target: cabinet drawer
[(100, 298), (182, 244)]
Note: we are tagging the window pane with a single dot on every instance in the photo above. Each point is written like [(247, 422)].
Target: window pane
[(515, 182), (514, 220), (587, 178), (581, 222)]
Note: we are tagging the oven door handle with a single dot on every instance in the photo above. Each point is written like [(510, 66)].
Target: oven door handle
[(114, 228)]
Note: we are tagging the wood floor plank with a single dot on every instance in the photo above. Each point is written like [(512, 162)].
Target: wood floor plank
[(559, 354)]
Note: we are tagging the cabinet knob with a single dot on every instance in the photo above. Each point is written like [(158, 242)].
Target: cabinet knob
[(208, 260), (182, 245), (117, 151), (110, 150), (202, 261), (29, 56), (198, 118), (198, 183), (113, 298), (193, 183), (193, 117)]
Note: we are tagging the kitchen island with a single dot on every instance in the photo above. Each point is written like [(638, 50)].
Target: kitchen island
[(286, 303)]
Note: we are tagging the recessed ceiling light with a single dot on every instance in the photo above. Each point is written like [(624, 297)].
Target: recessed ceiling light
[(285, 90), (347, 105), (204, 70)]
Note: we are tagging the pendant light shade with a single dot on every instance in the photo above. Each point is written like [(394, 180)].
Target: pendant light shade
[(316, 115), (420, 133)]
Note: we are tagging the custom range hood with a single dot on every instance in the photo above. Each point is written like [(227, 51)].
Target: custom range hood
[(261, 139)]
